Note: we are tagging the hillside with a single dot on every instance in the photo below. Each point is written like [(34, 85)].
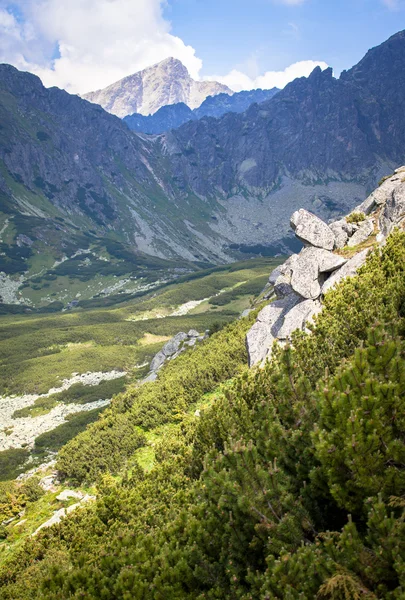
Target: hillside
[(174, 115), (222, 481), (74, 179), (167, 82)]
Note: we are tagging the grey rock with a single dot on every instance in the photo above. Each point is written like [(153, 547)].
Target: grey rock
[(381, 194), (193, 333), (309, 267), (158, 361), (312, 230), (282, 285), (297, 317), (245, 313), (172, 346), (348, 270), (364, 231), (340, 231), (275, 274), (262, 334), (394, 210)]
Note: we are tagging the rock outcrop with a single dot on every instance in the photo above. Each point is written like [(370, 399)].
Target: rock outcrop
[(144, 92), (301, 282), (175, 346)]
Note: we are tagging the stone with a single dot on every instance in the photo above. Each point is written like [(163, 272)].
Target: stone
[(245, 313), (66, 494), (380, 195), (297, 317), (282, 285), (310, 229), (262, 334), (309, 267), (394, 210), (172, 346), (157, 361), (193, 333), (348, 270), (341, 233), (366, 228), (274, 275)]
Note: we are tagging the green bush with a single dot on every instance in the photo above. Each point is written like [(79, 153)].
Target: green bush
[(356, 217)]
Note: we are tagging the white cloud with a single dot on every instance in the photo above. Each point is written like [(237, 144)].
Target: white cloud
[(237, 80), (99, 41)]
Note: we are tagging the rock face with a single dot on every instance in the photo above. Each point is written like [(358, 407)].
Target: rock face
[(302, 281), (174, 115), (167, 82)]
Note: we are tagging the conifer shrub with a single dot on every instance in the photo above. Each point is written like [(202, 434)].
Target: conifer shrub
[(290, 485)]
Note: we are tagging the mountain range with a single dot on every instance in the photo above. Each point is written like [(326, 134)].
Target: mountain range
[(73, 177), (167, 82), (174, 115)]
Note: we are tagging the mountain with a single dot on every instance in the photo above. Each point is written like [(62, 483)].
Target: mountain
[(174, 115), (167, 82), (75, 178)]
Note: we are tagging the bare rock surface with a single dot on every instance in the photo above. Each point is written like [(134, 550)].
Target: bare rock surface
[(348, 270), (394, 210), (364, 231), (312, 230)]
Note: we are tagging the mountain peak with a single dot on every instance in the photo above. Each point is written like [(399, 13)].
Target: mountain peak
[(145, 92)]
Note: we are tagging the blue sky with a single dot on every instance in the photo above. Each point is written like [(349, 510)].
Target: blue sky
[(86, 44), (230, 32)]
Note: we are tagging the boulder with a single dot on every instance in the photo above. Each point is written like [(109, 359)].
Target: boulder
[(365, 229), (382, 193), (275, 274), (341, 234), (193, 333), (309, 269), (158, 361), (173, 345), (262, 334), (297, 317), (310, 229), (282, 285), (394, 210), (347, 270)]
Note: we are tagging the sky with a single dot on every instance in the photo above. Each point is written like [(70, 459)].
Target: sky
[(83, 45)]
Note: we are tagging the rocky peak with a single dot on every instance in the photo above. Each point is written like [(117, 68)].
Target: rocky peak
[(144, 92), (300, 284)]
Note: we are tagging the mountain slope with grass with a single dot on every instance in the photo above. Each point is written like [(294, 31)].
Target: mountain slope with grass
[(220, 481)]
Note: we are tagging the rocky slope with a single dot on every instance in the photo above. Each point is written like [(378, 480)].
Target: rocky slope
[(167, 82), (331, 253), (174, 115)]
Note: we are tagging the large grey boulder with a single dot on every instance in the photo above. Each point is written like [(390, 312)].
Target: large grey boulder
[(308, 268), (381, 194), (310, 229), (298, 317), (262, 334), (366, 228), (394, 210), (348, 270)]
